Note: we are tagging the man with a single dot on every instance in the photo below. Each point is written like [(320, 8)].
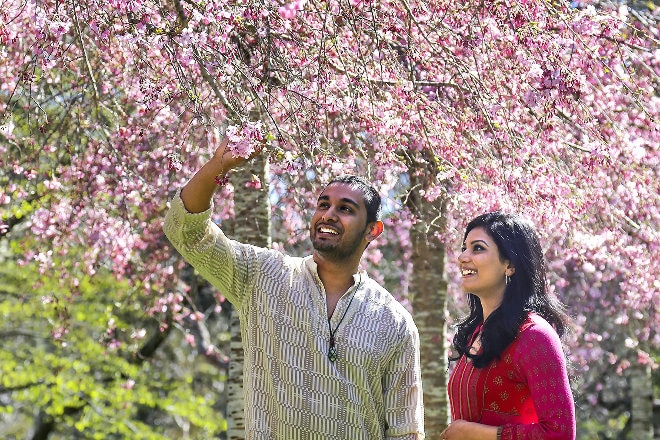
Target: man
[(329, 353)]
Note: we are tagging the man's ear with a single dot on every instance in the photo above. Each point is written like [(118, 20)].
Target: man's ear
[(374, 230)]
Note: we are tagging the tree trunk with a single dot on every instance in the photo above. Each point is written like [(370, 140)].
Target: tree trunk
[(428, 294), (641, 390), (251, 225), (429, 301), (235, 396)]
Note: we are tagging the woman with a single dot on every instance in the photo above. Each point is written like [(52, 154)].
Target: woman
[(510, 381)]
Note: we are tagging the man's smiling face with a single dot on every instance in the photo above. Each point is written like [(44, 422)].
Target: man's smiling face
[(339, 223)]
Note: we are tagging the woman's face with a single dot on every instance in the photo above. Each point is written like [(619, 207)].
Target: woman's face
[(482, 271)]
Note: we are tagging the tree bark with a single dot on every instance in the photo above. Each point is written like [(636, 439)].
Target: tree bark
[(641, 390), (429, 301), (428, 295), (251, 225)]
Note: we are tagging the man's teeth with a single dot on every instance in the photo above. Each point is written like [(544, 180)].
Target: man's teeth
[(465, 272), (328, 231)]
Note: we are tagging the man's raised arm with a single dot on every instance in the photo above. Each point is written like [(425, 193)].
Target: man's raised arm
[(196, 194)]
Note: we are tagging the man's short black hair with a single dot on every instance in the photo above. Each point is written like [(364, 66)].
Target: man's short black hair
[(369, 194)]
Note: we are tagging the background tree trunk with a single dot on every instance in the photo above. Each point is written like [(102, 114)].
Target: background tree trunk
[(251, 225), (641, 390), (428, 294)]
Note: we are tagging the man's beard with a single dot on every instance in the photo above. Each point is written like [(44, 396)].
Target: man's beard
[(338, 250)]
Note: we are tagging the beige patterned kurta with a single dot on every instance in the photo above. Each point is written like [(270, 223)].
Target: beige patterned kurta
[(292, 390)]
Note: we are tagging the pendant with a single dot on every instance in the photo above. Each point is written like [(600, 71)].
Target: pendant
[(332, 353)]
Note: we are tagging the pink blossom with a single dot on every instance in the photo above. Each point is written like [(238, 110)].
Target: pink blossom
[(254, 182), (190, 339), (288, 11), (246, 139)]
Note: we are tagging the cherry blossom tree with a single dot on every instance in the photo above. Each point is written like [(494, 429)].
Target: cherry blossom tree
[(547, 108)]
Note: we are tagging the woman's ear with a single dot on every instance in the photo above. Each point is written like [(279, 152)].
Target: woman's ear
[(510, 269)]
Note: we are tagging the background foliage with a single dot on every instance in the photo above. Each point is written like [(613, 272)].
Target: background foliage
[(542, 107)]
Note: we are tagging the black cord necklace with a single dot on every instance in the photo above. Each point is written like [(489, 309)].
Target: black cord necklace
[(332, 350)]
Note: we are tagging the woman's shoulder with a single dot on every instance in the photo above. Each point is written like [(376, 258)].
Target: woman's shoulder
[(538, 349), (537, 330)]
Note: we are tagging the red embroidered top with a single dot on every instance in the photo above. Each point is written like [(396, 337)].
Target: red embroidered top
[(526, 391)]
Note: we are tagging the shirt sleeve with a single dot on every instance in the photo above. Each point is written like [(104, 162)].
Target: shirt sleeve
[(402, 390), (541, 363), (224, 263)]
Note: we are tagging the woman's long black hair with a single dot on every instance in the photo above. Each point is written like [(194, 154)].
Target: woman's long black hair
[(526, 291)]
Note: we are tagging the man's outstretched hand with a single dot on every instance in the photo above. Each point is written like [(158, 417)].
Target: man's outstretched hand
[(197, 193)]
